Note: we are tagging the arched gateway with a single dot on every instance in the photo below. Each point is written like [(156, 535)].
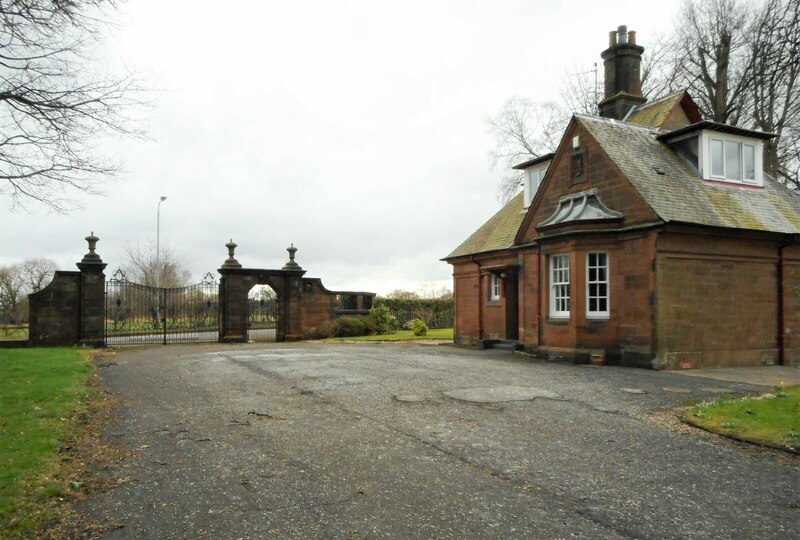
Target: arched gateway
[(303, 304), (81, 307)]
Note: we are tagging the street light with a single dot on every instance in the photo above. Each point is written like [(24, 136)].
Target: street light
[(158, 241)]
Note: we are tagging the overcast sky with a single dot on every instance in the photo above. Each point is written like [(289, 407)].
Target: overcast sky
[(354, 129)]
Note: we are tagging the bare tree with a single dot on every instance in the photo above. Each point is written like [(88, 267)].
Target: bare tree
[(660, 67), (56, 102), (164, 269), (775, 95), (37, 273), (401, 294), (524, 129), (12, 295), (713, 58), (581, 90)]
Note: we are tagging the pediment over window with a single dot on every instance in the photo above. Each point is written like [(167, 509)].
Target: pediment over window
[(583, 206)]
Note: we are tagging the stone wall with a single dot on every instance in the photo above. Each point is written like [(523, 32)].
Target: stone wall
[(71, 309), (55, 314), (719, 300)]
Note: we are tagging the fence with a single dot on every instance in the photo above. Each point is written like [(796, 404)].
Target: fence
[(437, 313)]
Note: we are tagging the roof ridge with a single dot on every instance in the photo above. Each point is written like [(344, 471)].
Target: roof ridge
[(659, 100), (615, 122)]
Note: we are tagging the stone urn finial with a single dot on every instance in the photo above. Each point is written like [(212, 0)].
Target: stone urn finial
[(291, 265), (92, 257), (231, 261)]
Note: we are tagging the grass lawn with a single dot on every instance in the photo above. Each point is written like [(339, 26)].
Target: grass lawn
[(43, 393), (772, 418), (13, 333), (402, 335)]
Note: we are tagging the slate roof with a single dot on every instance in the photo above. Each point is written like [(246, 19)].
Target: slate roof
[(680, 195), (497, 233), (654, 113)]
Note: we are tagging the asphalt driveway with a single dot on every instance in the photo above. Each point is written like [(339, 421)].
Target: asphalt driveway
[(314, 440)]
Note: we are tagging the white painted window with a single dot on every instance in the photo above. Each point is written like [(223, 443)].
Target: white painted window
[(597, 291), (494, 287), (533, 179), (734, 159), (559, 285)]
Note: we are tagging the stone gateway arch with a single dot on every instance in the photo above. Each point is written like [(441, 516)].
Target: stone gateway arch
[(78, 307)]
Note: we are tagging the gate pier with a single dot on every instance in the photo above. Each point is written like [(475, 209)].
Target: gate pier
[(82, 308)]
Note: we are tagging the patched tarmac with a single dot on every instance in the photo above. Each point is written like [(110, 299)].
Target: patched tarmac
[(313, 440)]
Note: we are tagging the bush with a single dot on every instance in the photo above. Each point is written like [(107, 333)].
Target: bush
[(352, 326), (417, 326), (383, 321), (323, 331)]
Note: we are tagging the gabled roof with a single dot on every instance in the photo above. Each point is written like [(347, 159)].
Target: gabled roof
[(676, 193), (655, 113), (496, 234)]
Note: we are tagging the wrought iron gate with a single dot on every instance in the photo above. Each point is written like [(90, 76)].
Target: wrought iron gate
[(262, 317), (138, 314)]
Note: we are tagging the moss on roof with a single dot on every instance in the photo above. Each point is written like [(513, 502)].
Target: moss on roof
[(676, 192), (497, 233), (655, 113)]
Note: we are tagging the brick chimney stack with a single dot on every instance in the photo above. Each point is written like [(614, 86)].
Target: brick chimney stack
[(623, 82)]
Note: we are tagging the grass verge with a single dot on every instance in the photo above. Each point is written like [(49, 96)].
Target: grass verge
[(45, 396), (402, 335), (771, 419), (13, 333)]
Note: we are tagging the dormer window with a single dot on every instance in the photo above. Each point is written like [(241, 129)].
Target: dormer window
[(721, 153), (534, 171), (733, 160), (533, 179)]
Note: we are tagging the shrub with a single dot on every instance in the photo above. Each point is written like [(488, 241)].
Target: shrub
[(352, 326), (325, 330), (383, 321), (417, 326)]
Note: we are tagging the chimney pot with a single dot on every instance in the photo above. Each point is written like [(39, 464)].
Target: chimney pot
[(622, 61)]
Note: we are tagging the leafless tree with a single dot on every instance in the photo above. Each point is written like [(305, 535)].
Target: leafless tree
[(401, 294), (660, 67), (775, 95), (581, 90), (164, 270), (713, 57), (12, 295), (37, 273), (524, 129), (55, 101)]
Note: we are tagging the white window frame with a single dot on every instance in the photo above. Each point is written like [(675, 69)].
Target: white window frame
[(533, 181), (598, 314), (494, 288), (559, 274), (706, 157)]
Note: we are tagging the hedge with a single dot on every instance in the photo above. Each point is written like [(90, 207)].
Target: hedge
[(436, 312)]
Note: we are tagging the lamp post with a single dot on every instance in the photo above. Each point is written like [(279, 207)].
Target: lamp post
[(158, 241)]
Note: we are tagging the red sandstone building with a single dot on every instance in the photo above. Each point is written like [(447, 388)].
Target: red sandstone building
[(649, 238)]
